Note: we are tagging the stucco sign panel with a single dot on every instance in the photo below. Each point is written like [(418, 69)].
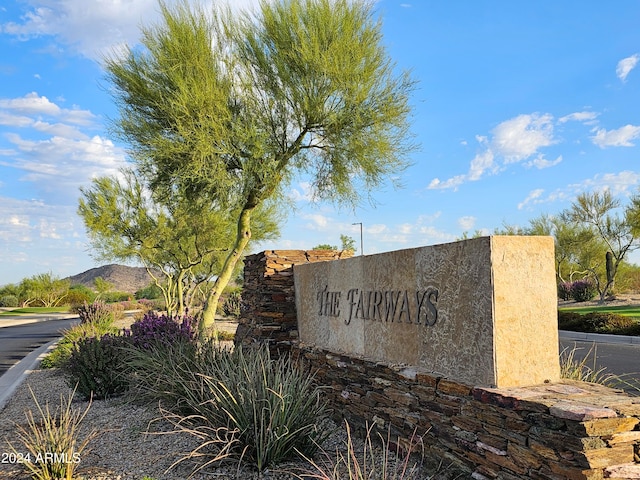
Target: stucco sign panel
[(480, 311)]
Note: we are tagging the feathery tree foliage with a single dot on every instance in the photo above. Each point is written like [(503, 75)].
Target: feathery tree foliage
[(184, 240), (592, 238), (228, 109), (619, 233)]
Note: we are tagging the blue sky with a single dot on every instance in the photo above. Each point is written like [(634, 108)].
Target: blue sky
[(520, 106)]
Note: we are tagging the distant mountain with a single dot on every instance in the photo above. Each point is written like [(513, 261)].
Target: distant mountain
[(123, 278)]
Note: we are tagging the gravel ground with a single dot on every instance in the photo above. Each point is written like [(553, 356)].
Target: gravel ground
[(620, 300), (124, 449)]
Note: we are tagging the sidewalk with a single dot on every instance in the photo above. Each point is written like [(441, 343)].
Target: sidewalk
[(12, 378), (14, 320), (599, 338)]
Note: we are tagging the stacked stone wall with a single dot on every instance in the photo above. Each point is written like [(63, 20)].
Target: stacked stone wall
[(568, 430), (555, 431), (268, 297)]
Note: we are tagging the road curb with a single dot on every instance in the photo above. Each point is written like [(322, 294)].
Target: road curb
[(26, 319), (14, 377), (599, 338)]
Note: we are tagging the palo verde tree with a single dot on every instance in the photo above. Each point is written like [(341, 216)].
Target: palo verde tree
[(228, 108), (43, 289), (598, 211), (578, 250), (182, 244)]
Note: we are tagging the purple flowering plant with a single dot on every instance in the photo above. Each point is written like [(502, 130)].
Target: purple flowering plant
[(154, 328)]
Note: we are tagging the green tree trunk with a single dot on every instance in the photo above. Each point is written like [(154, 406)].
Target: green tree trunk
[(207, 322)]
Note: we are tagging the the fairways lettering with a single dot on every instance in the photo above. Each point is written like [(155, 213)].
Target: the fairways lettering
[(400, 306)]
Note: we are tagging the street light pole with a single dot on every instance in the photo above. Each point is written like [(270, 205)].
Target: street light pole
[(361, 247)]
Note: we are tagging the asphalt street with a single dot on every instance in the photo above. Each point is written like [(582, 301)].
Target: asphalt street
[(19, 340), (622, 360)]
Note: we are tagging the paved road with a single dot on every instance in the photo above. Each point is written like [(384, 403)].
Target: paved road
[(18, 340), (617, 359)]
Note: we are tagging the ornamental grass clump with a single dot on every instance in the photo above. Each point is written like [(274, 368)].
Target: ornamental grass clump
[(51, 447), (239, 403), (98, 312), (274, 407), (371, 459)]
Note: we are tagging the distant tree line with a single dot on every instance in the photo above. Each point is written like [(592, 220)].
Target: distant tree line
[(593, 239), (47, 290)]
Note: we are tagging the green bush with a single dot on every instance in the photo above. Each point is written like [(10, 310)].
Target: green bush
[(150, 292), (99, 312), (97, 366), (115, 297), (231, 305), (9, 301), (598, 322), (239, 402), (75, 299), (62, 351), (583, 290)]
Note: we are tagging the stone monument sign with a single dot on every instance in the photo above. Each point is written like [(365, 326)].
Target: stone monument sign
[(481, 311)]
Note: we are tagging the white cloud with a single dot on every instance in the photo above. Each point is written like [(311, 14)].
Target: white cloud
[(375, 229), (31, 104), (622, 183), (22, 221), (316, 221), (584, 117), (38, 237), (451, 183), (520, 137), (466, 223), (540, 162), (303, 193), (481, 163), (93, 28), (619, 184), (622, 137), (50, 145), (513, 140), (58, 166), (533, 197), (626, 65)]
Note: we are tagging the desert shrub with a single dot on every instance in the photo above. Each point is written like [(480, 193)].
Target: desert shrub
[(564, 291), (572, 368), (373, 458), (54, 434), (97, 366), (76, 299), (150, 292), (155, 328), (231, 305), (9, 301), (167, 373), (96, 312), (62, 351), (115, 297), (583, 290), (239, 402), (131, 305), (572, 321), (598, 322)]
